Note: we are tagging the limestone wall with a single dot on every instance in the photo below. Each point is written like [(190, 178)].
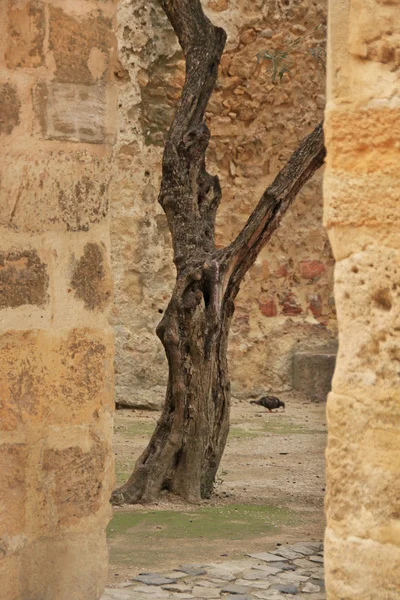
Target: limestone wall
[(362, 214), (57, 112), (287, 299)]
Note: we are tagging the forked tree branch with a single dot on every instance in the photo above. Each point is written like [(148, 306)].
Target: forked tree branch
[(189, 195), (275, 201)]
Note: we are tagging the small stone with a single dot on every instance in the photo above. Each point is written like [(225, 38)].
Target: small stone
[(255, 574), (239, 597), (288, 553), (268, 570), (304, 563), (263, 595), (177, 587), (284, 566), (193, 570), (208, 583), (317, 559), (285, 589), (306, 547), (233, 588), (293, 577), (267, 33), (260, 584), (310, 588), (182, 596), (220, 574), (266, 556), (153, 579), (175, 575), (319, 582), (205, 592)]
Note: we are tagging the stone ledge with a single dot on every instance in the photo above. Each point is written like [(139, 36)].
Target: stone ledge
[(313, 372)]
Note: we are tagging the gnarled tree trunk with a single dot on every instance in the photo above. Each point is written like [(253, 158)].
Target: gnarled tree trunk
[(186, 447)]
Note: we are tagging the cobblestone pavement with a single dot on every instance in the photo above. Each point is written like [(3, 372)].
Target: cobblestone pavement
[(294, 571)]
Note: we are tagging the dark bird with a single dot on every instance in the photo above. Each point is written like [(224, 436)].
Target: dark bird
[(269, 402)]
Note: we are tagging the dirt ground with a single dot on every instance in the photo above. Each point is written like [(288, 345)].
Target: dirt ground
[(270, 489)]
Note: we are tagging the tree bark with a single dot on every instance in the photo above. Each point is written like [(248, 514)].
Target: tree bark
[(186, 447)]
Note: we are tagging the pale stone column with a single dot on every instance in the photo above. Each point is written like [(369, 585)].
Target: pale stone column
[(57, 113), (362, 214)]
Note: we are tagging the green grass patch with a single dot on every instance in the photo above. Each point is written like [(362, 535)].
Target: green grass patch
[(239, 521), (242, 433), (282, 427), (136, 429)]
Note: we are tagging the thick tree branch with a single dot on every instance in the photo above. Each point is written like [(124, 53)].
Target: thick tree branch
[(266, 217), (189, 195)]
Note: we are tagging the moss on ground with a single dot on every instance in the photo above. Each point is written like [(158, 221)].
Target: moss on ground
[(235, 521)]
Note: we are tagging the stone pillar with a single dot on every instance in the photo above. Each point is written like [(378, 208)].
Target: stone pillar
[(362, 214), (57, 113)]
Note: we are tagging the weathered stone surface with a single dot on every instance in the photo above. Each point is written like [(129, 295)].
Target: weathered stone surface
[(74, 191), (81, 46), (23, 279), (362, 135), (90, 278), (13, 480), (9, 571), (71, 368), (26, 32), (56, 356), (71, 112), (313, 372), (10, 106), (77, 478), (76, 571)]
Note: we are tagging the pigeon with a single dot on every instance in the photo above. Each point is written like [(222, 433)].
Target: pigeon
[(269, 402)]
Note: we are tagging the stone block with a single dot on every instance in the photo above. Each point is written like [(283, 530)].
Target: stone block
[(312, 269), (363, 141), (73, 191), (360, 568), (368, 303), (363, 460), (58, 377), (72, 112), (313, 372), (9, 576), (91, 280), (13, 492), (10, 106), (267, 306), (26, 32), (23, 279), (351, 199), (72, 480), (81, 47), (65, 567)]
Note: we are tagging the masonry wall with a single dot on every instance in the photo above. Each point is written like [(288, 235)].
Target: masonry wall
[(362, 215), (57, 113), (286, 302)]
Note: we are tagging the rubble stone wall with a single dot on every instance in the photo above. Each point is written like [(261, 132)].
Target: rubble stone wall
[(362, 215), (58, 107), (286, 302)]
